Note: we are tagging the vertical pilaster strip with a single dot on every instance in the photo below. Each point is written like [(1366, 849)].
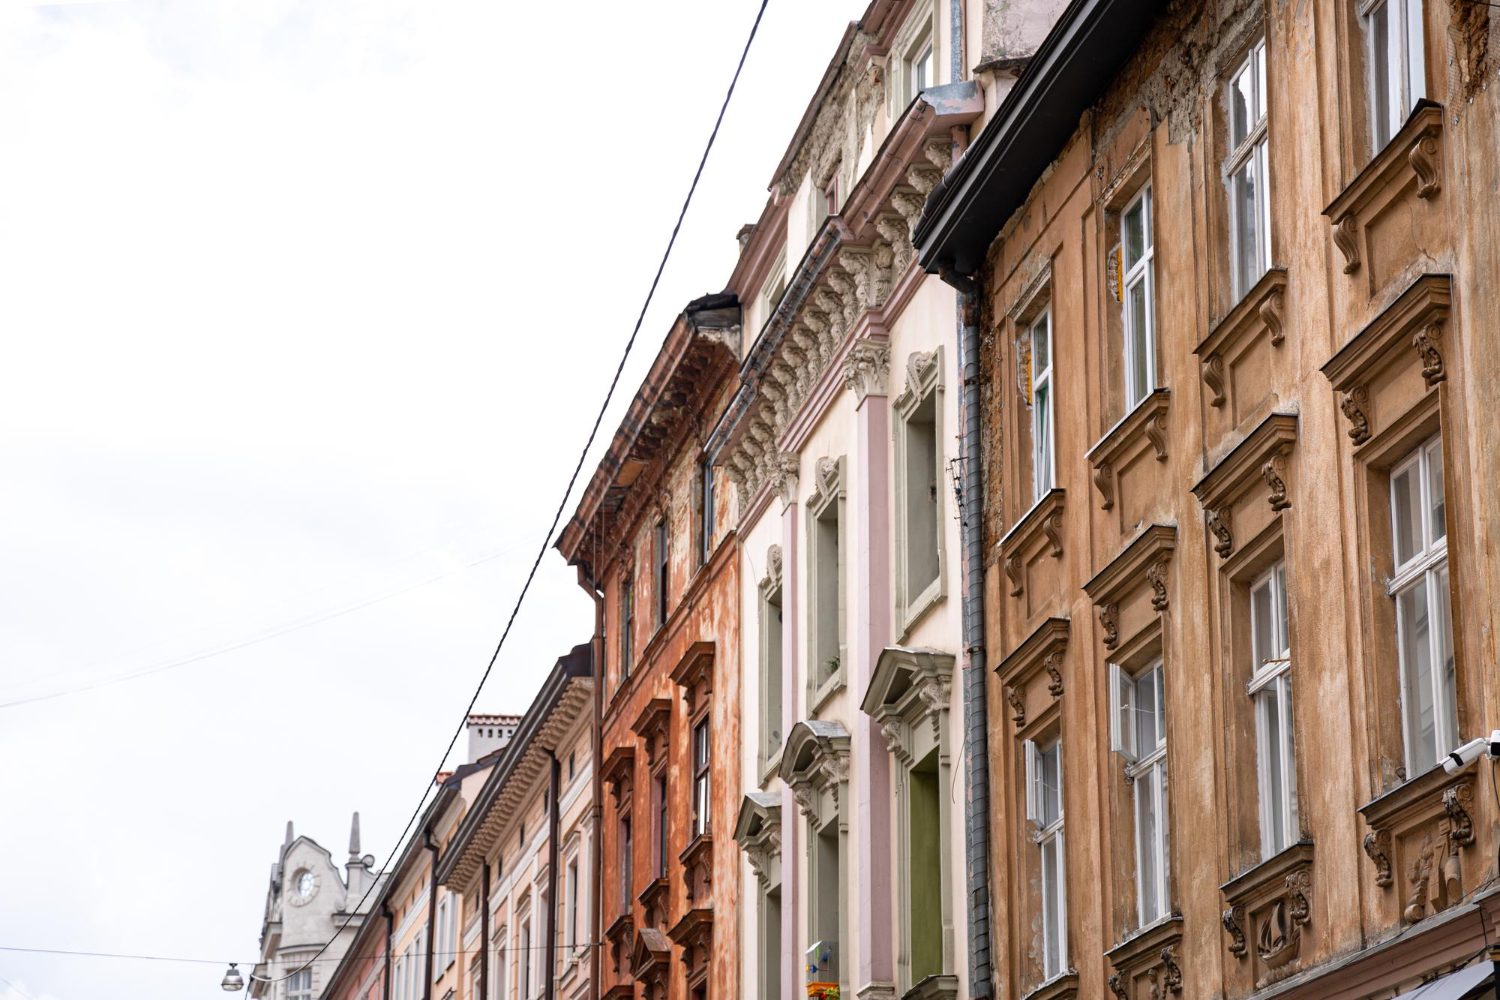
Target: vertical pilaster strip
[(792, 944)]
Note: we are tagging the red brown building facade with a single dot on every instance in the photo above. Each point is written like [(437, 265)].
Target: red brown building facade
[(653, 545)]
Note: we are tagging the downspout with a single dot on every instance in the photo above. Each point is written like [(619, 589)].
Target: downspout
[(390, 933), (431, 845), (596, 809), (484, 931), (976, 736), (553, 782)]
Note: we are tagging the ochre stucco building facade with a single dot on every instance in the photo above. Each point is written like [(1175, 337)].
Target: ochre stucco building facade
[(1234, 265)]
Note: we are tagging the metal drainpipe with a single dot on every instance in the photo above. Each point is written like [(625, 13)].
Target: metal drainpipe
[(551, 981), (432, 849), (390, 932), (484, 932), (976, 736)]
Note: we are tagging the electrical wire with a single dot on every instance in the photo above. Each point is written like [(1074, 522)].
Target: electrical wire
[(18, 989), (221, 961), (567, 492)]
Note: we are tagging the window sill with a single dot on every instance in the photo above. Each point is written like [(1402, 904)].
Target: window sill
[(940, 987), (821, 695), (1433, 806), (911, 616), (1037, 534), (1147, 950), (1063, 986), (769, 768)]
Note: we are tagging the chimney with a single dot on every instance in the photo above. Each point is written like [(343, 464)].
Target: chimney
[(488, 733)]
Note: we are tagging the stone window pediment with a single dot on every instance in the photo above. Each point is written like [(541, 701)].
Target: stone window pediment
[(1258, 466), (619, 772), (1133, 589), (653, 726), (694, 934), (1373, 372), (815, 764), (1236, 357), (1415, 842), (757, 830), (1039, 655), (1032, 548), (1387, 213), (694, 673), (651, 958), (621, 935), (697, 868), (1147, 962), (1125, 459), (908, 698), (1267, 908)]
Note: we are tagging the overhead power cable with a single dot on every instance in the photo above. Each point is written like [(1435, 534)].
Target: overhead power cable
[(567, 492)]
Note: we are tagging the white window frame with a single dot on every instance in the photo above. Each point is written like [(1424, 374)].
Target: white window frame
[(702, 776), (1043, 431), (1396, 91), (1054, 897), (571, 900), (299, 986), (914, 596), (772, 639), (525, 970), (1425, 566), (627, 627), (1146, 771), (1250, 155), (1139, 273), (1271, 680), (916, 41), (502, 954)]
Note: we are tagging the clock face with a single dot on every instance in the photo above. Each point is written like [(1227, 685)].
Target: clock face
[(305, 885)]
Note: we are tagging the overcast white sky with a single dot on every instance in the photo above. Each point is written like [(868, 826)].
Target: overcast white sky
[(308, 304)]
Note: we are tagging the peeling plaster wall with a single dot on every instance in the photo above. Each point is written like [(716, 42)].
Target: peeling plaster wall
[(1162, 115)]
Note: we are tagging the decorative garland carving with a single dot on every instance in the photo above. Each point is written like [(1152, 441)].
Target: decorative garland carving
[(1457, 801), (1013, 570), (1419, 875), (784, 482), (1298, 885), (1378, 847), (1053, 665), (1273, 473), (1271, 314), (867, 368), (1356, 406), (1052, 528), (1156, 575), (1425, 341), (1117, 987), (1018, 706), (1156, 433), (1213, 377), (1233, 920), (1109, 620), (1171, 971), (1104, 478), (1218, 526), (1346, 238), (773, 567), (1424, 163)]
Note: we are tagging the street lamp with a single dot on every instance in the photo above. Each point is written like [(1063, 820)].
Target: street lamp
[(233, 981)]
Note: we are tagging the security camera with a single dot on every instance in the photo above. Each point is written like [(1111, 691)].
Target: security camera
[(1471, 751)]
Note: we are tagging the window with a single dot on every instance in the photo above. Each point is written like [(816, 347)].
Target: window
[(1419, 585), (770, 671), (919, 477), (627, 853), (571, 762), (826, 593), (1139, 296), (1397, 65), (1037, 384), (1271, 689), (774, 287), (700, 778), (706, 511), (1044, 811), (770, 944), (300, 987), (502, 957), (1138, 732), (523, 957), (661, 826), (446, 944), (921, 69), (570, 919), (399, 977), (627, 626), (662, 566), (831, 195), (1249, 204)]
